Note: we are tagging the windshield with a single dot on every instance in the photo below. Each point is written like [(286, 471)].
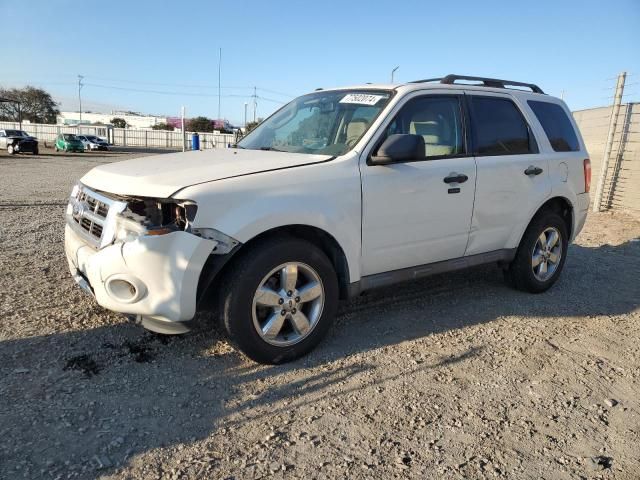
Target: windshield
[(70, 137), (328, 123), (16, 133)]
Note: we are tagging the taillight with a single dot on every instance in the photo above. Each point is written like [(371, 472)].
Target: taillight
[(587, 175)]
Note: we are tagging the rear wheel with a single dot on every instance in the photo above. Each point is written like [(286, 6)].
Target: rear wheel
[(541, 254), (280, 300)]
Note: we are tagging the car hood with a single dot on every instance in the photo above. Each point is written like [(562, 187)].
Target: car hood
[(163, 175), (17, 137)]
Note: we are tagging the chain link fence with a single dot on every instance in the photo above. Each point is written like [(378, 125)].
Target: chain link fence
[(126, 137)]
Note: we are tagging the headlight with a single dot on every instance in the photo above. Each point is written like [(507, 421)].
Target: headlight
[(150, 217), (127, 230)]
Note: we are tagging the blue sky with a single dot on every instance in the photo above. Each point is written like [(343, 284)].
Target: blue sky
[(129, 51)]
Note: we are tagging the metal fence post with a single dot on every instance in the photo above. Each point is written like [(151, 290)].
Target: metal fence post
[(615, 110)]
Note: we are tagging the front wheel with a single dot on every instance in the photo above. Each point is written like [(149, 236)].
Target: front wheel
[(541, 254), (11, 150), (280, 300)]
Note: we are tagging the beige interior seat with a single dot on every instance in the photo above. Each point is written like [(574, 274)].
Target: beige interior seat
[(355, 130), (435, 131)]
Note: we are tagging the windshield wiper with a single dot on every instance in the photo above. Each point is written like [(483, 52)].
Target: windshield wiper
[(270, 149)]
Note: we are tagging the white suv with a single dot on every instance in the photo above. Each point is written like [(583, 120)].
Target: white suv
[(338, 192)]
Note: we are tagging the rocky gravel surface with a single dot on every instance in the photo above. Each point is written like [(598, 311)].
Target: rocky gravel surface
[(456, 376)]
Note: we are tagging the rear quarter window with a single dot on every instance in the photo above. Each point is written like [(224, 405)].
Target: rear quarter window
[(556, 125)]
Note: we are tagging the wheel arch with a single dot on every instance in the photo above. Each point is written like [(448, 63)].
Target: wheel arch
[(560, 205), (317, 236)]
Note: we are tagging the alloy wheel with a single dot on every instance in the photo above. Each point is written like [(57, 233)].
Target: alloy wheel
[(546, 254), (288, 304)]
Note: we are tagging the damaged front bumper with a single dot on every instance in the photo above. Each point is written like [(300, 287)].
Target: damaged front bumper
[(152, 278)]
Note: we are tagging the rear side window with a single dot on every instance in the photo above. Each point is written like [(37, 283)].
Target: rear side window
[(499, 128), (556, 125)]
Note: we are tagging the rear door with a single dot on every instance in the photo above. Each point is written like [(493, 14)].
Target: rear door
[(414, 213), (513, 177)]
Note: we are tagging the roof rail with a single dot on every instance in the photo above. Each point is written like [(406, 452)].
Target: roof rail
[(487, 82)]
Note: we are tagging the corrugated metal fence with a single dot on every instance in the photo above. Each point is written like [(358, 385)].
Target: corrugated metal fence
[(622, 181), (125, 137)]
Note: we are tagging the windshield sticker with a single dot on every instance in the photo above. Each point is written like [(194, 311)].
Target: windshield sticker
[(361, 98)]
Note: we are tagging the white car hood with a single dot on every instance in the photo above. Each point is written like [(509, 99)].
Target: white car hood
[(163, 175)]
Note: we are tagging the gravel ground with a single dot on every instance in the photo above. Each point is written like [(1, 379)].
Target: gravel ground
[(455, 376)]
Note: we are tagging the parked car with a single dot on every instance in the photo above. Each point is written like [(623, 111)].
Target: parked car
[(338, 192), (18, 141), (68, 142), (91, 142)]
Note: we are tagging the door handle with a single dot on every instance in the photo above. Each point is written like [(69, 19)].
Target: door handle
[(532, 170), (456, 178)]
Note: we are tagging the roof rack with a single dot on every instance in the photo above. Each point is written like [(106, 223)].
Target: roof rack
[(486, 82)]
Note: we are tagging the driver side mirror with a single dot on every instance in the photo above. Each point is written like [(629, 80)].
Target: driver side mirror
[(399, 148)]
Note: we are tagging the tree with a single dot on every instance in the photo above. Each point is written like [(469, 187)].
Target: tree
[(200, 124), (252, 125), (162, 126), (36, 105), (119, 122)]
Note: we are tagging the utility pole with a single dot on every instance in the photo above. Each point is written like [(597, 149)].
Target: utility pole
[(219, 77), (615, 110), (184, 134), (394, 71), (255, 103), (80, 77), (245, 114)]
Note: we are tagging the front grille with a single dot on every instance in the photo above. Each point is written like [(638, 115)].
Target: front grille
[(92, 224), (92, 215)]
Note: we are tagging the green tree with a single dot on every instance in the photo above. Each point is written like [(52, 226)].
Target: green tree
[(119, 122), (163, 126), (200, 124), (36, 105)]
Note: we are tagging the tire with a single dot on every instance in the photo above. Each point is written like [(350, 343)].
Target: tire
[(523, 273), (11, 150), (36, 151), (243, 317)]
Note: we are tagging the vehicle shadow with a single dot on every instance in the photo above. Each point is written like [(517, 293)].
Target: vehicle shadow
[(96, 398)]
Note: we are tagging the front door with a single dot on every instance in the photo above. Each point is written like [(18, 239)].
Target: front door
[(419, 212)]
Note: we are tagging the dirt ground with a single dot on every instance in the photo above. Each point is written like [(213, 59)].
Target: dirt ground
[(455, 376)]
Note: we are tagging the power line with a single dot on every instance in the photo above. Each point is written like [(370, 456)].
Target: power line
[(275, 92), (181, 85)]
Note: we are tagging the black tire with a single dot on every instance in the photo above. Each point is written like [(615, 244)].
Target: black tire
[(36, 151), (243, 279), (520, 274)]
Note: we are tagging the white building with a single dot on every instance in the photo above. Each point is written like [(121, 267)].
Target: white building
[(133, 119)]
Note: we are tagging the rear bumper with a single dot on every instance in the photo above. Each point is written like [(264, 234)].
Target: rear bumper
[(154, 277), (581, 209)]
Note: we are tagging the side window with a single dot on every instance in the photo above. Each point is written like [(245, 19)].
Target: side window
[(556, 125), (437, 119), (499, 128)]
